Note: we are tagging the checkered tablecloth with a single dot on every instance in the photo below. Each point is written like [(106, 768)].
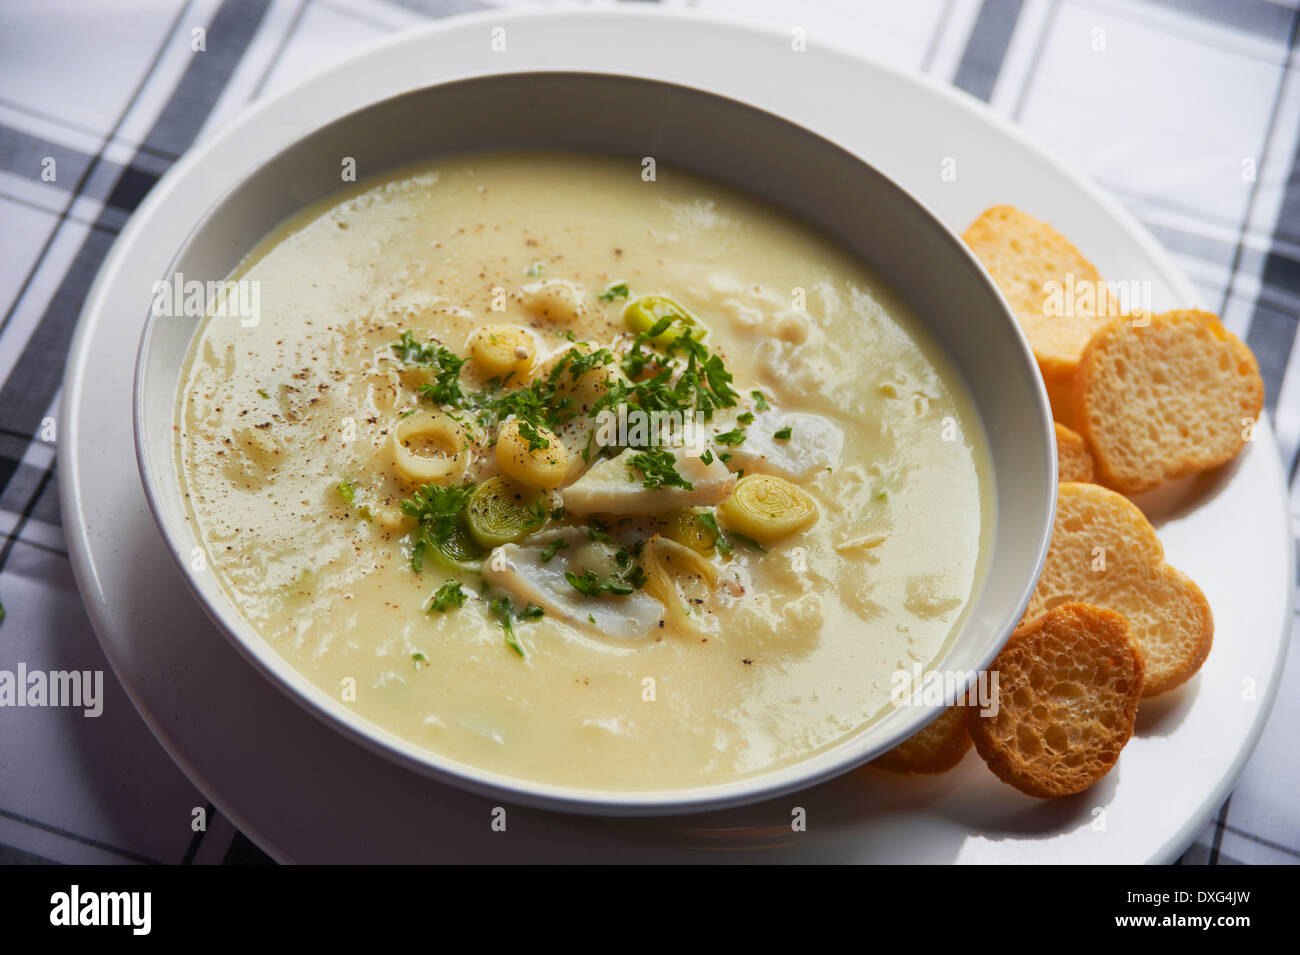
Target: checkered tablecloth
[(1193, 122)]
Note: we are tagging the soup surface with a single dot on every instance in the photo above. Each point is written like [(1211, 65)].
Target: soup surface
[(583, 478)]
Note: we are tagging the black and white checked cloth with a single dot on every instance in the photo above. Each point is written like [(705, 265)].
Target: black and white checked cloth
[(1193, 94)]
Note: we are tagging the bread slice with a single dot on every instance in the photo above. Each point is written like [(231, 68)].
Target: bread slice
[(1105, 552), (1178, 395), (936, 749), (1073, 460), (1068, 687), (1024, 256)]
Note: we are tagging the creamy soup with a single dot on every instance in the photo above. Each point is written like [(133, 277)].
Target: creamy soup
[(582, 478)]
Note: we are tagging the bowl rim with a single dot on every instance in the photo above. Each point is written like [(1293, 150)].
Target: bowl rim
[(279, 672)]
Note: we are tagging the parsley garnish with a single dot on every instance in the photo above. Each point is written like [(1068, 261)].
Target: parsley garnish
[(347, 491), (448, 595), (746, 418), (501, 608), (618, 290), (528, 431), (782, 435), (445, 388), (733, 438), (658, 468), (553, 548), (438, 510), (759, 401), (538, 513), (590, 585), (349, 494), (719, 539)]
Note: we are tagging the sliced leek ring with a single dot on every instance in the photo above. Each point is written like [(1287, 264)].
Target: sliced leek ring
[(441, 429), (766, 507), (641, 314), (686, 527), (501, 350), (502, 511), (542, 467), (460, 551)]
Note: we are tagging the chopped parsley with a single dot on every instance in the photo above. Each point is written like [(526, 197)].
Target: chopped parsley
[(528, 431), (733, 438), (419, 658), (658, 468), (501, 608), (702, 383), (349, 495), (590, 585), (438, 510), (617, 290), (451, 594), (759, 401), (263, 393), (746, 418), (347, 491), (782, 435), (538, 513), (724, 541), (720, 539), (598, 533), (445, 389), (553, 548), (707, 457)]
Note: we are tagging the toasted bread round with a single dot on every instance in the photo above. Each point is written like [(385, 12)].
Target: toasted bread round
[(935, 749), (1105, 552), (1056, 293), (1068, 687), (1158, 401), (1073, 460)]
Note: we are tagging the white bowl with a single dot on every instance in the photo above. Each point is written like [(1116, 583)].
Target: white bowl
[(771, 157)]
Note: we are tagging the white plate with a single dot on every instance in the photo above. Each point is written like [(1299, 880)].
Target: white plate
[(306, 794)]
